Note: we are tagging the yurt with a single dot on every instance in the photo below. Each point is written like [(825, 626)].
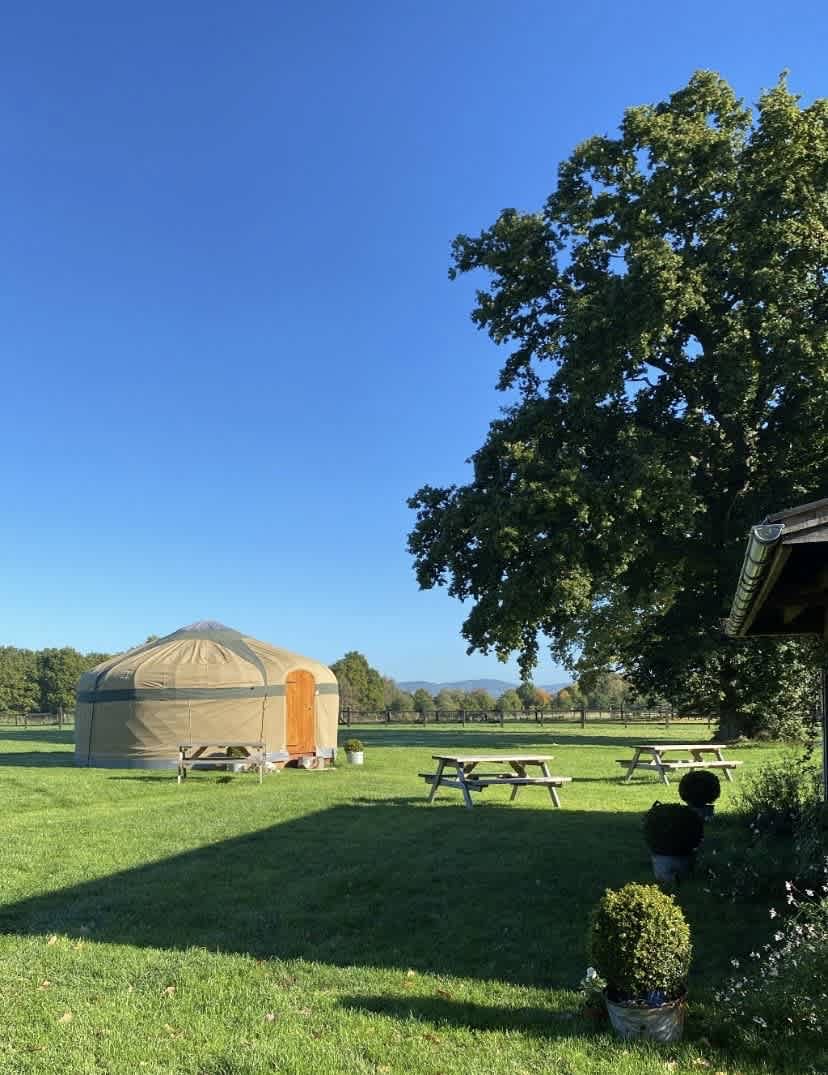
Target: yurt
[(204, 683)]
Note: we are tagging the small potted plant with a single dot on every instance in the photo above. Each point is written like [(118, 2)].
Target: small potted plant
[(354, 751), (673, 833), (592, 988), (640, 945), (700, 789)]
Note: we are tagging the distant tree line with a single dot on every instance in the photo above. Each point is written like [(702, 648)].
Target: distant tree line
[(41, 681), (362, 687)]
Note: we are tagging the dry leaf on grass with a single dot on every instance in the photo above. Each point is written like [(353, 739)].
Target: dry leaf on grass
[(52, 938), (44, 984), (169, 991), (270, 1017), (444, 993), (67, 1017)]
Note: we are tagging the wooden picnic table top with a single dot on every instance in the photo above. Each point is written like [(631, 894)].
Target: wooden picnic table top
[(661, 747), (466, 759)]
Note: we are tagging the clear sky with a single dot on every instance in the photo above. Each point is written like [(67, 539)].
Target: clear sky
[(230, 349)]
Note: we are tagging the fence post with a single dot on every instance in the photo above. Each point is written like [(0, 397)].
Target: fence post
[(583, 716), (463, 717)]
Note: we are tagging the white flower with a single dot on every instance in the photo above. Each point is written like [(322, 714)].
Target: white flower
[(734, 962), (759, 1021), (772, 912)]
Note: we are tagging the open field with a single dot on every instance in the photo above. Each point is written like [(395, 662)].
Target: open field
[(333, 922)]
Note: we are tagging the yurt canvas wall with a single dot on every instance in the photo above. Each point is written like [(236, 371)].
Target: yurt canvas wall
[(204, 683)]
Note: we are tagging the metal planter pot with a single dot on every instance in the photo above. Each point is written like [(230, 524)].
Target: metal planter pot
[(665, 1023), (355, 757), (668, 869)]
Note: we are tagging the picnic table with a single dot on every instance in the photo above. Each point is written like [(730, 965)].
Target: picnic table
[(191, 755), (657, 762), (462, 774)]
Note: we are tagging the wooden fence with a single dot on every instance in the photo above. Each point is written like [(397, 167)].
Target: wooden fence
[(625, 715), (38, 720)]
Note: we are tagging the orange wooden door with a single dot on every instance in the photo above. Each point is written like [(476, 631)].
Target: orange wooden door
[(301, 691)]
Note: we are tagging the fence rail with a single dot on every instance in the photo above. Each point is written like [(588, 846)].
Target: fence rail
[(583, 716), (38, 720)]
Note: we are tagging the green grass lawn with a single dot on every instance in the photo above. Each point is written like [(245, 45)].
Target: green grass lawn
[(332, 921)]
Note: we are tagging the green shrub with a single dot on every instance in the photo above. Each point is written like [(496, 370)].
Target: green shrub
[(640, 943), (672, 829), (700, 787), (775, 797), (353, 746)]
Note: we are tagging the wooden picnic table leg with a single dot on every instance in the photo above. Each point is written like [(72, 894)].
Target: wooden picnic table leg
[(461, 777), (726, 772), (552, 792), (520, 769), (660, 763), (437, 777), (632, 766)]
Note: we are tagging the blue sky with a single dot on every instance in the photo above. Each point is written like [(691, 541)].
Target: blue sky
[(230, 349)]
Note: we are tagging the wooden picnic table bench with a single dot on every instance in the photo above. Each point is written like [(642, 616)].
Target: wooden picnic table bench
[(191, 755), (658, 763), (464, 778)]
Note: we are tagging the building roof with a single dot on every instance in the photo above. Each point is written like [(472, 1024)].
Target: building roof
[(783, 585)]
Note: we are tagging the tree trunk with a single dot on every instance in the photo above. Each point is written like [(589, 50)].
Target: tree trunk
[(732, 725)]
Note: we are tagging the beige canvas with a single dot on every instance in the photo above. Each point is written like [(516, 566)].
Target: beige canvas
[(203, 683)]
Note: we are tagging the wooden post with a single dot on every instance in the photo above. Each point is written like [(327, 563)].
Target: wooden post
[(824, 692), (583, 716), (463, 717)]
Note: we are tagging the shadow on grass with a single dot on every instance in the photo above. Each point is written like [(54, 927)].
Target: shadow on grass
[(494, 892), (39, 759), (445, 1012), (66, 736)]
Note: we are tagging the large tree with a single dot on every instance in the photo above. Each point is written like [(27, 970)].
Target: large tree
[(360, 685), (665, 315)]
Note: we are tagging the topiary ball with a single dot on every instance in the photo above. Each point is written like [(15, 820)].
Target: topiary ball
[(640, 943), (700, 787), (672, 829)]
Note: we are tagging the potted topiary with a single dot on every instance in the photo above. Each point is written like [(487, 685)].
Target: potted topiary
[(640, 945), (354, 751), (700, 789), (673, 833)]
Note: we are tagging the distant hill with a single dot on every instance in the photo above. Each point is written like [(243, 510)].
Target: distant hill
[(495, 687)]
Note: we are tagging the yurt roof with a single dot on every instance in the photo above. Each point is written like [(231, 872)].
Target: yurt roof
[(202, 656)]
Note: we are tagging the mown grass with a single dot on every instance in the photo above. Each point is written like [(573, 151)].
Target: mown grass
[(333, 922)]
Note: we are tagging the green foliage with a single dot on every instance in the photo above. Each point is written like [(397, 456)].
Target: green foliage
[(353, 746), (360, 685), (666, 312), (672, 829), (779, 992), (775, 797), (700, 787), (19, 687), (41, 680), (480, 700), (423, 702), (640, 942), (509, 702)]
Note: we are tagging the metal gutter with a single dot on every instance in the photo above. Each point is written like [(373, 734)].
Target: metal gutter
[(762, 544)]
